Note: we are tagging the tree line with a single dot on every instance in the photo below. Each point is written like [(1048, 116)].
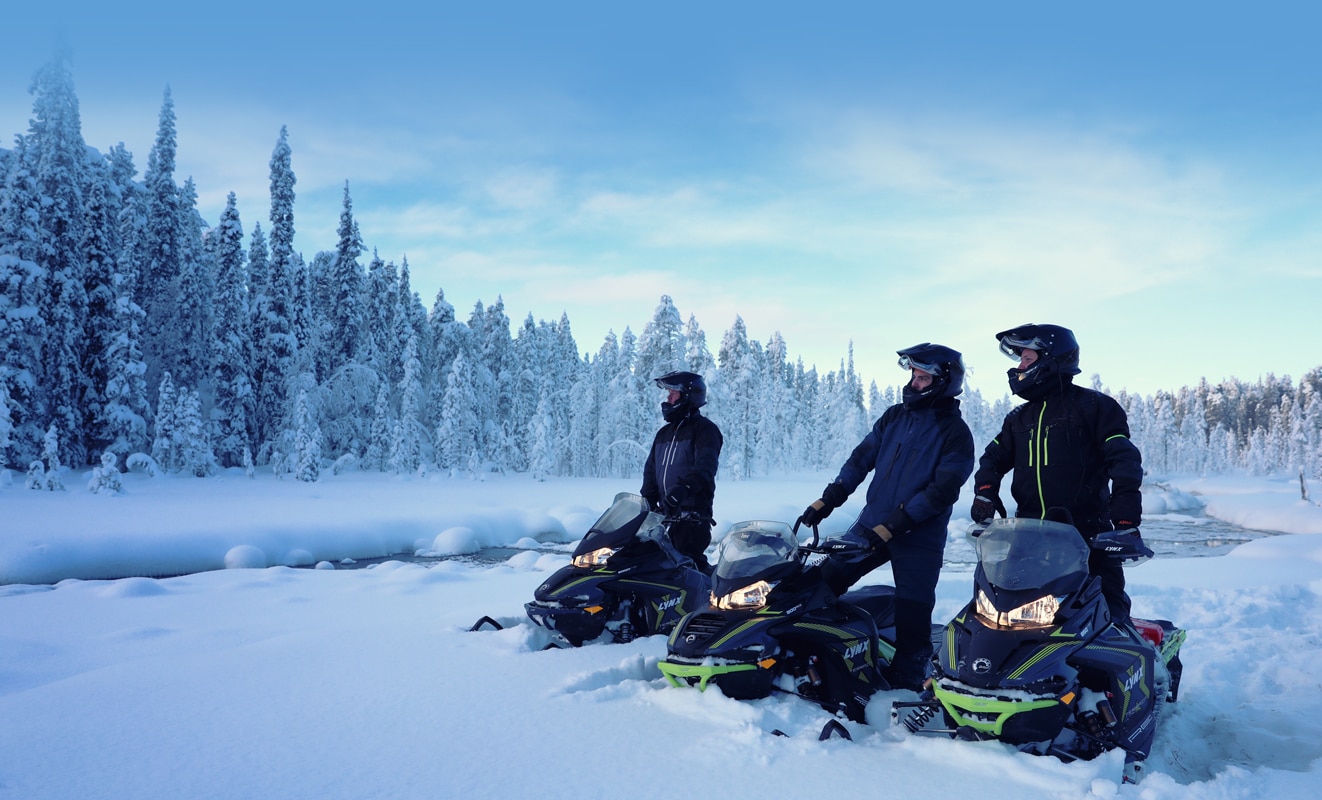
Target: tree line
[(134, 332)]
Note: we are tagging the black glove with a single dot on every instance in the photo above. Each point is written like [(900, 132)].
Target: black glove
[(834, 496), (815, 513), (678, 494), (984, 506)]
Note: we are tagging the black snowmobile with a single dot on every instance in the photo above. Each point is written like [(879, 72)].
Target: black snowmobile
[(626, 578), (775, 625), (1034, 660)]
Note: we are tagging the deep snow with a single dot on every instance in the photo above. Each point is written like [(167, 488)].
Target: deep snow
[(339, 683)]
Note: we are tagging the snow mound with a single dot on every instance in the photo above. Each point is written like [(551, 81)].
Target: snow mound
[(245, 556), (455, 541)]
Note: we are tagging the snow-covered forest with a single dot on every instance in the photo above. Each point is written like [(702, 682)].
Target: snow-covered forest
[(137, 334)]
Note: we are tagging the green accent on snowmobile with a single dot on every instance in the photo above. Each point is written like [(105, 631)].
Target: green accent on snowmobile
[(678, 674), (1170, 647), (961, 707), (572, 584), (1038, 656), (738, 630)]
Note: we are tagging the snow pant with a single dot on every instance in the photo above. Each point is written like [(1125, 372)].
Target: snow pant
[(1111, 571), (915, 561), (692, 539)]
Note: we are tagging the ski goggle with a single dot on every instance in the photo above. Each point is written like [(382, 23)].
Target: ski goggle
[(1013, 345), (909, 362)]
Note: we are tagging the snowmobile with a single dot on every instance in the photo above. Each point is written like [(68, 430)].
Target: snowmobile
[(1034, 660), (774, 624), (625, 579)]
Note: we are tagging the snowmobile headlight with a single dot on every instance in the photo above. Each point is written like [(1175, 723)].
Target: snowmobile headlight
[(596, 558), (1039, 613), (747, 598)]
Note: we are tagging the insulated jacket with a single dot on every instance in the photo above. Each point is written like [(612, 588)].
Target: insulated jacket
[(688, 450), (1064, 449), (920, 458)]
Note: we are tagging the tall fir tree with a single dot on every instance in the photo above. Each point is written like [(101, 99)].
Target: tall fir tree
[(346, 287), (158, 280), (276, 343), (58, 158), (196, 297), (231, 352)]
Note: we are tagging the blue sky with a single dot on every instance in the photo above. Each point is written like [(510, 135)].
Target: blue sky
[(1146, 174)]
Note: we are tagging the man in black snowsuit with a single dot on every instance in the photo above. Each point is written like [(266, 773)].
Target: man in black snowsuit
[(680, 474), (920, 453), (1069, 449)]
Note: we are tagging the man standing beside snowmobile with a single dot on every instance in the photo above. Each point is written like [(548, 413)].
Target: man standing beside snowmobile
[(1069, 449), (680, 474), (920, 452)]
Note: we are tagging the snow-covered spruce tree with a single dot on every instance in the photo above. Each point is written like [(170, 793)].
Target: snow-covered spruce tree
[(541, 454), (661, 347), (346, 289), (376, 455), (564, 371), (494, 380), (584, 426), (158, 281), (259, 273), (307, 440), (21, 333), (380, 291), (54, 475), (100, 325), (126, 408), (697, 355), (448, 337), (457, 435), (348, 408), (629, 420), (231, 351), (57, 156), (406, 444), (530, 361), (276, 343), (611, 426), (192, 444), (6, 426), (197, 288), (734, 390), (163, 446), (774, 394)]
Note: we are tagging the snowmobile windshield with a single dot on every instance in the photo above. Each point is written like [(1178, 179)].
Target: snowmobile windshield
[(1018, 554), (618, 526), (753, 550)]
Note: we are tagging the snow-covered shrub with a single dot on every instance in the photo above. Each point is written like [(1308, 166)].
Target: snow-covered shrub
[(141, 462), (344, 463), (105, 478)]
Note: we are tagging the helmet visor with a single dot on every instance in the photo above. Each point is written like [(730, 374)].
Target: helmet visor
[(1013, 345), (909, 362)]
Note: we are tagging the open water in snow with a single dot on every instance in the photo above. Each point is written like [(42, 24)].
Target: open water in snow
[(1169, 535)]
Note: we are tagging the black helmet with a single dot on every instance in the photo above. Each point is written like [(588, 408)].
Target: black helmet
[(1057, 358), (945, 365), (692, 393)]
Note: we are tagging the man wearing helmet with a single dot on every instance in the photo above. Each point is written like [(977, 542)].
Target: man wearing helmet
[(1069, 449), (919, 452), (680, 474)]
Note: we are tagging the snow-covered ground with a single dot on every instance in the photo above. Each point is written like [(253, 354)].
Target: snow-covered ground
[(336, 683)]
